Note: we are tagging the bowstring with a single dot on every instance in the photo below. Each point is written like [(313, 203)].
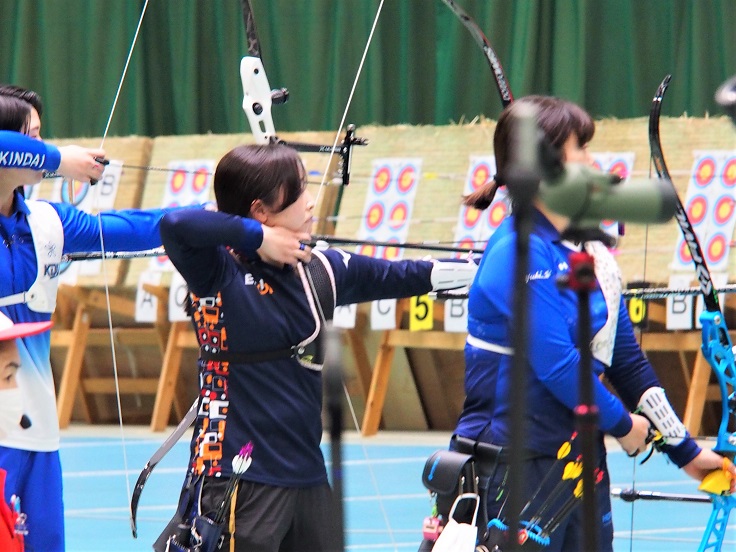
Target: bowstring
[(347, 105), (104, 265), (361, 439)]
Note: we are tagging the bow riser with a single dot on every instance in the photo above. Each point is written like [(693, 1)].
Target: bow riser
[(257, 99), (718, 351)]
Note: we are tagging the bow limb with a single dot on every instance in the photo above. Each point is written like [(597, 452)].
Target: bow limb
[(502, 84), (717, 347), (165, 447)]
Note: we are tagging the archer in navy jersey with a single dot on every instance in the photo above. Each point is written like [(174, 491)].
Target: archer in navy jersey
[(252, 284), (553, 349)]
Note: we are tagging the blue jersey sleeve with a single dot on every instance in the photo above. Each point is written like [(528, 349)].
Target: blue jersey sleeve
[(19, 151), (124, 230), (631, 374)]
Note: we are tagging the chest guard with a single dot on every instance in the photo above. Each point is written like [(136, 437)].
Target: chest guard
[(48, 242), (319, 285)]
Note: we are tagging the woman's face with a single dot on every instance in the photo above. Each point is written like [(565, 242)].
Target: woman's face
[(9, 364), (297, 216), (573, 152)]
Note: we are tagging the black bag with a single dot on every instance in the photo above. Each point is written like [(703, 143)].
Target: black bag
[(187, 531), (448, 474)]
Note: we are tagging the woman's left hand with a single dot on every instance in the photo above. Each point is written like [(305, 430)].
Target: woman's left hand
[(706, 462)]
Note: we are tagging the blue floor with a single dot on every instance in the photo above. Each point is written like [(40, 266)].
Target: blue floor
[(385, 501)]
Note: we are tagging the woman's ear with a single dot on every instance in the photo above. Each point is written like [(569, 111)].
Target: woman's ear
[(258, 211)]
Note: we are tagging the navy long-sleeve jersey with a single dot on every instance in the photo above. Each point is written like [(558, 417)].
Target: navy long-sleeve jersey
[(245, 305)]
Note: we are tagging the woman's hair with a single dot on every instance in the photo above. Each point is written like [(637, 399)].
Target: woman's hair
[(273, 173), (558, 119), (15, 114), (23, 94)]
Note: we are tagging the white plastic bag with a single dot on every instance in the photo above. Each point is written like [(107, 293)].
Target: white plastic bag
[(459, 537)]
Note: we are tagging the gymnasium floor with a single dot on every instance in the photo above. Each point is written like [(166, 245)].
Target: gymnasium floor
[(385, 501)]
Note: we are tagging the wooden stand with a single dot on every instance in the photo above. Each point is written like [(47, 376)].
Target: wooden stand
[(82, 335)]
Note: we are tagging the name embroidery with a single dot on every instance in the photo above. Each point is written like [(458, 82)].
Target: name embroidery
[(21, 159), (539, 275)]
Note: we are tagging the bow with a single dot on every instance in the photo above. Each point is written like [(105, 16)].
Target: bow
[(716, 347), (502, 84), (258, 97)]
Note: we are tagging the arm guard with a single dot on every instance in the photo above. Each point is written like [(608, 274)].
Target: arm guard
[(452, 274), (655, 406)]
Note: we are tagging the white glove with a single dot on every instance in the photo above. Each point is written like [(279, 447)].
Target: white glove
[(451, 275)]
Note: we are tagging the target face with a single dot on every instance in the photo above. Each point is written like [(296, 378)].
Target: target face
[(381, 180), (723, 209), (729, 173), (497, 213), (81, 189), (683, 253), (178, 179), (199, 182), (375, 216), (398, 215), (705, 171), (481, 174), (697, 209), (619, 168), (368, 250), (471, 217), (391, 253), (717, 248), (407, 178)]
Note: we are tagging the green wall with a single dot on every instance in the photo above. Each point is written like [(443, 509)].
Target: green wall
[(423, 67)]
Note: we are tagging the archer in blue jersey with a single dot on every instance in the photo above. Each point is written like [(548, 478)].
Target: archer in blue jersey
[(34, 235), (553, 349)]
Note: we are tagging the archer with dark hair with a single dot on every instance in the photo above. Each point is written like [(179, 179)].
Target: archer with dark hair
[(262, 297), (554, 351)]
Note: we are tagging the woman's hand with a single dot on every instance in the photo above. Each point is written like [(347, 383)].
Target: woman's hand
[(81, 163), (706, 462), (635, 441), (284, 246)]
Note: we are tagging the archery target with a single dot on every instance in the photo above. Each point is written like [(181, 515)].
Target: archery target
[(709, 205), (74, 192), (705, 171), (374, 216), (388, 205), (474, 227), (729, 173), (697, 209), (188, 183)]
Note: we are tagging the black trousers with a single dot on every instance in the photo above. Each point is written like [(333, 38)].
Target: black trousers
[(275, 519)]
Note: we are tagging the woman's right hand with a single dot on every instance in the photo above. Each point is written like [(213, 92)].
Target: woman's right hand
[(81, 163), (284, 246), (635, 441)]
